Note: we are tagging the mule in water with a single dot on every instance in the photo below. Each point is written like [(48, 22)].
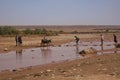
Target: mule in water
[(45, 42)]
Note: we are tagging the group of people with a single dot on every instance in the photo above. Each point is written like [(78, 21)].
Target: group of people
[(114, 38), (102, 39), (18, 40)]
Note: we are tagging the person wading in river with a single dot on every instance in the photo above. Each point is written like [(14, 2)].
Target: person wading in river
[(115, 38), (102, 39), (77, 40)]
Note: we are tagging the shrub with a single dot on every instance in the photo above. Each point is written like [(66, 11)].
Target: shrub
[(8, 31)]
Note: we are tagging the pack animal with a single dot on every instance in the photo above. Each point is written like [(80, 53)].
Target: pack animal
[(45, 42)]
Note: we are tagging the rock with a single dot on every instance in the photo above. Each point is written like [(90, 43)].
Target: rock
[(36, 75), (74, 69), (59, 45), (113, 74), (14, 70), (5, 49), (41, 72), (88, 51), (48, 70)]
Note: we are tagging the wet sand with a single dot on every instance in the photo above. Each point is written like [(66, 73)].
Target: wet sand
[(102, 67)]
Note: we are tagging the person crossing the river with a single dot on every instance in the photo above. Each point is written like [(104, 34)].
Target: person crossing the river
[(77, 39)]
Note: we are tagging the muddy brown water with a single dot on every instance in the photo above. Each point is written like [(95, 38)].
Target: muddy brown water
[(39, 56)]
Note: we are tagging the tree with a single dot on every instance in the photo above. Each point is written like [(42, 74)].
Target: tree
[(8, 31)]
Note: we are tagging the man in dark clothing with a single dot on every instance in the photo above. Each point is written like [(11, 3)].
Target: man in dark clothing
[(115, 38), (77, 39), (20, 40)]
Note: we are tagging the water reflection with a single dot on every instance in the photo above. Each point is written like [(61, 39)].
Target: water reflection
[(77, 52), (19, 55), (46, 53), (101, 47), (77, 49)]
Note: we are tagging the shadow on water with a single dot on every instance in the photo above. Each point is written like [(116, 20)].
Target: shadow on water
[(39, 56), (46, 52)]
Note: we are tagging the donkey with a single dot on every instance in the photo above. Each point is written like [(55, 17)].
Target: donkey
[(45, 42)]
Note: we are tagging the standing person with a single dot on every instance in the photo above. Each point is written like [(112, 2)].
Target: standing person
[(16, 39), (115, 38), (20, 40), (102, 39), (77, 39)]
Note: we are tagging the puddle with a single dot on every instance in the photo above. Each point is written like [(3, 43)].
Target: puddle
[(39, 56)]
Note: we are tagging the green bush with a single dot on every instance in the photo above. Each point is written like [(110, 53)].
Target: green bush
[(12, 31), (37, 31), (8, 31), (28, 31)]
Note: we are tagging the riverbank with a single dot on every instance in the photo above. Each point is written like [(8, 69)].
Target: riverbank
[(34, 41), (97, 67), (102, 67)]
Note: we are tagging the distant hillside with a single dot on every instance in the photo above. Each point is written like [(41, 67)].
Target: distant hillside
[(80, 28)]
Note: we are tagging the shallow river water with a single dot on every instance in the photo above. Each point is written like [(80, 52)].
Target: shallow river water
[(39, 56)]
